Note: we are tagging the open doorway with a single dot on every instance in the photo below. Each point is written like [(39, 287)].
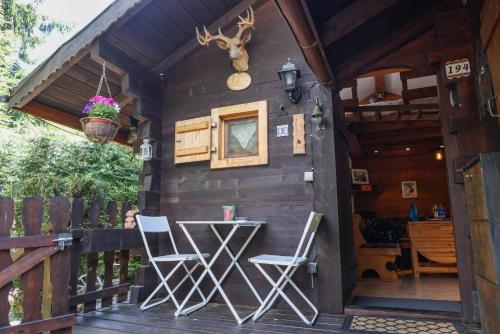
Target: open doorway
[(403, 231)]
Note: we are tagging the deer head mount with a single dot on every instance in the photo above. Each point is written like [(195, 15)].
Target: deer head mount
[(234, 45)]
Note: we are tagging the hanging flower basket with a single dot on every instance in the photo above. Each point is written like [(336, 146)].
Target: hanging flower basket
[(99, 130), (100, 125)]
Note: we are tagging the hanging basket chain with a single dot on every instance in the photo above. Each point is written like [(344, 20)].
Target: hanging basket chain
[(103, 79), (100, 130)]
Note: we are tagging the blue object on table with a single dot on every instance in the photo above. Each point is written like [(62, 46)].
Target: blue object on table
[(441, 212), (413, 212)]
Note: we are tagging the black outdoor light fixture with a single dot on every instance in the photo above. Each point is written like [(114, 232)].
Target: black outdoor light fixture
[(288, 75)]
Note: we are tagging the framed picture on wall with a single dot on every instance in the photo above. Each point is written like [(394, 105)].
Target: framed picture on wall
[(409, 189), (359, 176)]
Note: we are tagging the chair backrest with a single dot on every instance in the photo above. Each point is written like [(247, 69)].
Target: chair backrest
[(310, 230), (149, 224)]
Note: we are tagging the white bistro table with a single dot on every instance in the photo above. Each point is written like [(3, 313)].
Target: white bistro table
[(255, 225)]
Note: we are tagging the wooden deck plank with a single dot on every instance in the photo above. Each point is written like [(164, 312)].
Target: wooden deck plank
[(220, 311), (214, 318)]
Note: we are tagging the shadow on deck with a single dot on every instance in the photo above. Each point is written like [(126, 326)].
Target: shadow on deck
[(214, 318)]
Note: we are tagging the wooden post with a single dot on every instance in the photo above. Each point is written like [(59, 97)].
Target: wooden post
[(77, 213), (109, 257), (59, 264), (124, 257), (329, 154), (31, 281), (6, 220), (92, 258)]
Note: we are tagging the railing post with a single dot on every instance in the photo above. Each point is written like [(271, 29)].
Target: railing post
[(6, 220), (92, 258), (124, 256), (109, 256), (77, 213), (31, 281), (59, 264)]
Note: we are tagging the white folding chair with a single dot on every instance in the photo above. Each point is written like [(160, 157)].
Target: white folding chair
[(290, 264), (158, 225)]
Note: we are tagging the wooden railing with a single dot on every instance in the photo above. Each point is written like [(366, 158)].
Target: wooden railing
[(112, 241), (42, 258), (51, 262)]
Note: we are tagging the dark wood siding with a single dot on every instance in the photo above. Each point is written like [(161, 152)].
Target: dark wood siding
[(276, 192)]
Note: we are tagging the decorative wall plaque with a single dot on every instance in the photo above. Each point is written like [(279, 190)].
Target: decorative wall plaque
[(239, 81)]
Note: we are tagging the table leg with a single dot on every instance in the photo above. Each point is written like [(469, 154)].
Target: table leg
[(234, 262), (207, 270), (218, 282)]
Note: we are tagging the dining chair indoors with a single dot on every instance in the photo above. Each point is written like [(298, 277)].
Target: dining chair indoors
[(287, 266), (149, 224)]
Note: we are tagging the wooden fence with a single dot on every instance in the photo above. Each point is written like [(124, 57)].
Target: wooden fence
[(49, 264)]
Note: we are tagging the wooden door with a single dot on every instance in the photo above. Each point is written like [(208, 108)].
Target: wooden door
[(482, 249), (490, 37)]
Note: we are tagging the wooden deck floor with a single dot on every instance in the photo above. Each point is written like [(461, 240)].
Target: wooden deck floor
[(214, 318)]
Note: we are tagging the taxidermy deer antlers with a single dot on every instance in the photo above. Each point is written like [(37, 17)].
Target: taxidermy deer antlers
[(235, 45)]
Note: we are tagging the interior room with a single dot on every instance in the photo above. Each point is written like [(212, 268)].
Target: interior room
[(403, 232)]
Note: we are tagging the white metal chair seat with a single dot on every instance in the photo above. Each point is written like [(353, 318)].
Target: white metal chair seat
[(160, 225), (290, 265), (279, 260), (179, 257)]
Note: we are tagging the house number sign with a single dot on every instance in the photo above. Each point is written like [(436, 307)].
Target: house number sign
[(457, 68)]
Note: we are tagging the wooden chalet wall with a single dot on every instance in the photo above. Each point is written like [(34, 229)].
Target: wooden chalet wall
[(465, 134), (432, 185), (275, 192)]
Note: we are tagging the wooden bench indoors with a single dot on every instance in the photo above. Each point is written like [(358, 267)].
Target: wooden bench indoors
[(379, 259), (435, 241)]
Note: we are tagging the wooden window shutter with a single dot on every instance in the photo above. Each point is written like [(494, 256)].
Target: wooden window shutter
[(192, 140)]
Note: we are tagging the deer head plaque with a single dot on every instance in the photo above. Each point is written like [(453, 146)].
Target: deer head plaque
[(235, 46)]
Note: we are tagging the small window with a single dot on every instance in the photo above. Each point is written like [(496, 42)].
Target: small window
[(240, 135)]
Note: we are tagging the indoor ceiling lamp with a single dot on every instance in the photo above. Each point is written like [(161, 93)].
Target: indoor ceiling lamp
[(289, 75), (439, 154)]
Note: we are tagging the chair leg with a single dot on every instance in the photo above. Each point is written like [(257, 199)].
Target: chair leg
[(192, 280), (278, 290), (261, 309), (304, 297), (164, 284), (170, 294), (276, 294)]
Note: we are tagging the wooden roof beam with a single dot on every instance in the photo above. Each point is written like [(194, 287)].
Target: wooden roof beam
[(361, 63), (391, 126), (47, 113), (402, 143), (354, 147), (229, 17), (394, 107), (68, 54), (399, 136), (350, 18), (136, 80)]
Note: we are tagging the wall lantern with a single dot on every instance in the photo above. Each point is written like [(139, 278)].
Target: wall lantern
[(439, 154), (146, 150), (288, 75), (318, 117)]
